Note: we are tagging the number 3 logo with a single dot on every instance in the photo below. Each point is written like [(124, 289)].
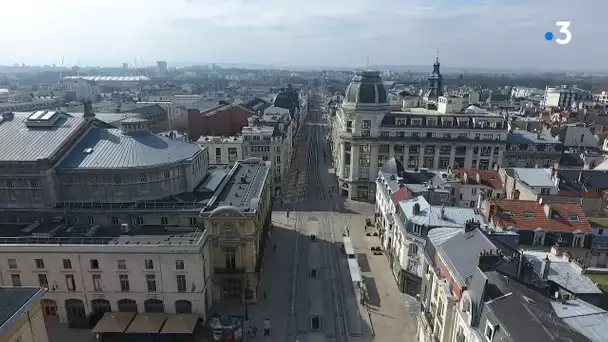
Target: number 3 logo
[(563, 28)]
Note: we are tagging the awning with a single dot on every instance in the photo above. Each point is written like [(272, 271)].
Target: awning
[(180, 324), (114, 322), (147, 323)]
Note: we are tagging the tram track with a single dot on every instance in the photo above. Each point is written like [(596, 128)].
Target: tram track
[(330, 254)]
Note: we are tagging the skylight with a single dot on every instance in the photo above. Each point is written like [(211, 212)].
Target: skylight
[(528, 214), (574, 218)]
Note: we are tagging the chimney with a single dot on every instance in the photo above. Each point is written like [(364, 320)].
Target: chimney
[(88, 110), (416, 210), (545, 266), (548, 211), (443, 212), (555, 250), (487, 259)]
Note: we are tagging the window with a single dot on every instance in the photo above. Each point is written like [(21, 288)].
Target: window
[(417, 229), (12, 263), (193, 221), (315, 323), (67, 264), (539, 239), (43, 280), (229, 257), (149, 264), (164, 220), (115, 220), (124, 283), (489, 331), (167, 175), (71, 283), (94, 264), (16, 279), (142, 177), (122, 264), (181, 283), (151, 281), (574, 218), (545, 191), (91, 220), (528, 214), (313, 273), (473, 191), (96, 282), (39, 263), (600, 231), (179, 264), (577, 241), (139, 220)]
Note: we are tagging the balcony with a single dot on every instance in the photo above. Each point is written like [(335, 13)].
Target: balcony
[(236, 270)]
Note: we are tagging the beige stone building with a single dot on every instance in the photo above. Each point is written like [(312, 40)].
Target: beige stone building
[(239, 218), (21, 315)]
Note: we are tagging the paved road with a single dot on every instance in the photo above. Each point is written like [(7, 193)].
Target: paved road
[(293, 296)]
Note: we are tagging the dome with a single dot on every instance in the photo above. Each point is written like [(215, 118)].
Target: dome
[(287, 98), (366, 88)]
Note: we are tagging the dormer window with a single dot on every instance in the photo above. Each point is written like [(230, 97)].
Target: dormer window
[(490, 331)]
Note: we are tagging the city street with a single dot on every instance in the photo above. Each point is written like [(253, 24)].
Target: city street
[(292, 298)]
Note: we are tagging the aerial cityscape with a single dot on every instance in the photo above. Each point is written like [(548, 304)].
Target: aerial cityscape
[(262, 171)]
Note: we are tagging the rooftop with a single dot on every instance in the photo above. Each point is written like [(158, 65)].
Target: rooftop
[(582, 180), (112, 149), (532, 177), (524, 314), (587, 319), (109, 78), (240, 191), (524, 137), (438, 216), (18, 142), (60, 233), (489, 178), (14, 301), (530, 215), (460, 250), (563, 272)]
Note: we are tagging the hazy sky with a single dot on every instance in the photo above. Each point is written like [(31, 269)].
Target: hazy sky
[(468, 33)]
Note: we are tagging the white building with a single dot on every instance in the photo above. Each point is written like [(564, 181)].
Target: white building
[(561, 97), (366, 133), (269, 144), (99, 270), (223, 151)]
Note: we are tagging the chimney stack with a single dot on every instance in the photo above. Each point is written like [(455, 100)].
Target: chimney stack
[(545, 266), (487, 259), (88, 110)]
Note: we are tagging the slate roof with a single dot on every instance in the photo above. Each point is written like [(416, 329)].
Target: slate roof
[(21, 143), (524, 314), (459, 253), (531, 215), (12, 300), (585, 318), (594, 179), (563, 273), (112, 149), (533, 177)]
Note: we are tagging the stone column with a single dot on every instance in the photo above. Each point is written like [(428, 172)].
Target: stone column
[(421, 156), (373, 161), (452, 156), (354, 162), (436, 157)]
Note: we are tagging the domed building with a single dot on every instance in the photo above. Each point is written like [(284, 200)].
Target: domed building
[(287, 98), (366, 133)]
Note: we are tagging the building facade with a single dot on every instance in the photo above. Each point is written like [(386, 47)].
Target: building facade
[(22, 317), (366, 134), (88, 275)]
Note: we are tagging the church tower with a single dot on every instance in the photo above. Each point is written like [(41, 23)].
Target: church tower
[(435, 82)]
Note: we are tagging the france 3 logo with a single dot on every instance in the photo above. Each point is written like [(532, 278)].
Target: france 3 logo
[(564, 30)]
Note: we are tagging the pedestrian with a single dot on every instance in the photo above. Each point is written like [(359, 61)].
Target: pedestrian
[(254, 330)]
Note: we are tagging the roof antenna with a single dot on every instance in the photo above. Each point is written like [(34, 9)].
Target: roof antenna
[(437, 58)]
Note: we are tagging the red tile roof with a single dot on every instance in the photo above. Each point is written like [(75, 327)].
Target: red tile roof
[(489, 178), (399, 195), (531, 215)]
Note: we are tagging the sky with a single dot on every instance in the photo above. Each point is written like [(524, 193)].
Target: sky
[(339, 33)]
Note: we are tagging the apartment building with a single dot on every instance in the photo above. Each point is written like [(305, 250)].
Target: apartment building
[(470, 186), (532, 150), (366, 133), (223, 151)]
